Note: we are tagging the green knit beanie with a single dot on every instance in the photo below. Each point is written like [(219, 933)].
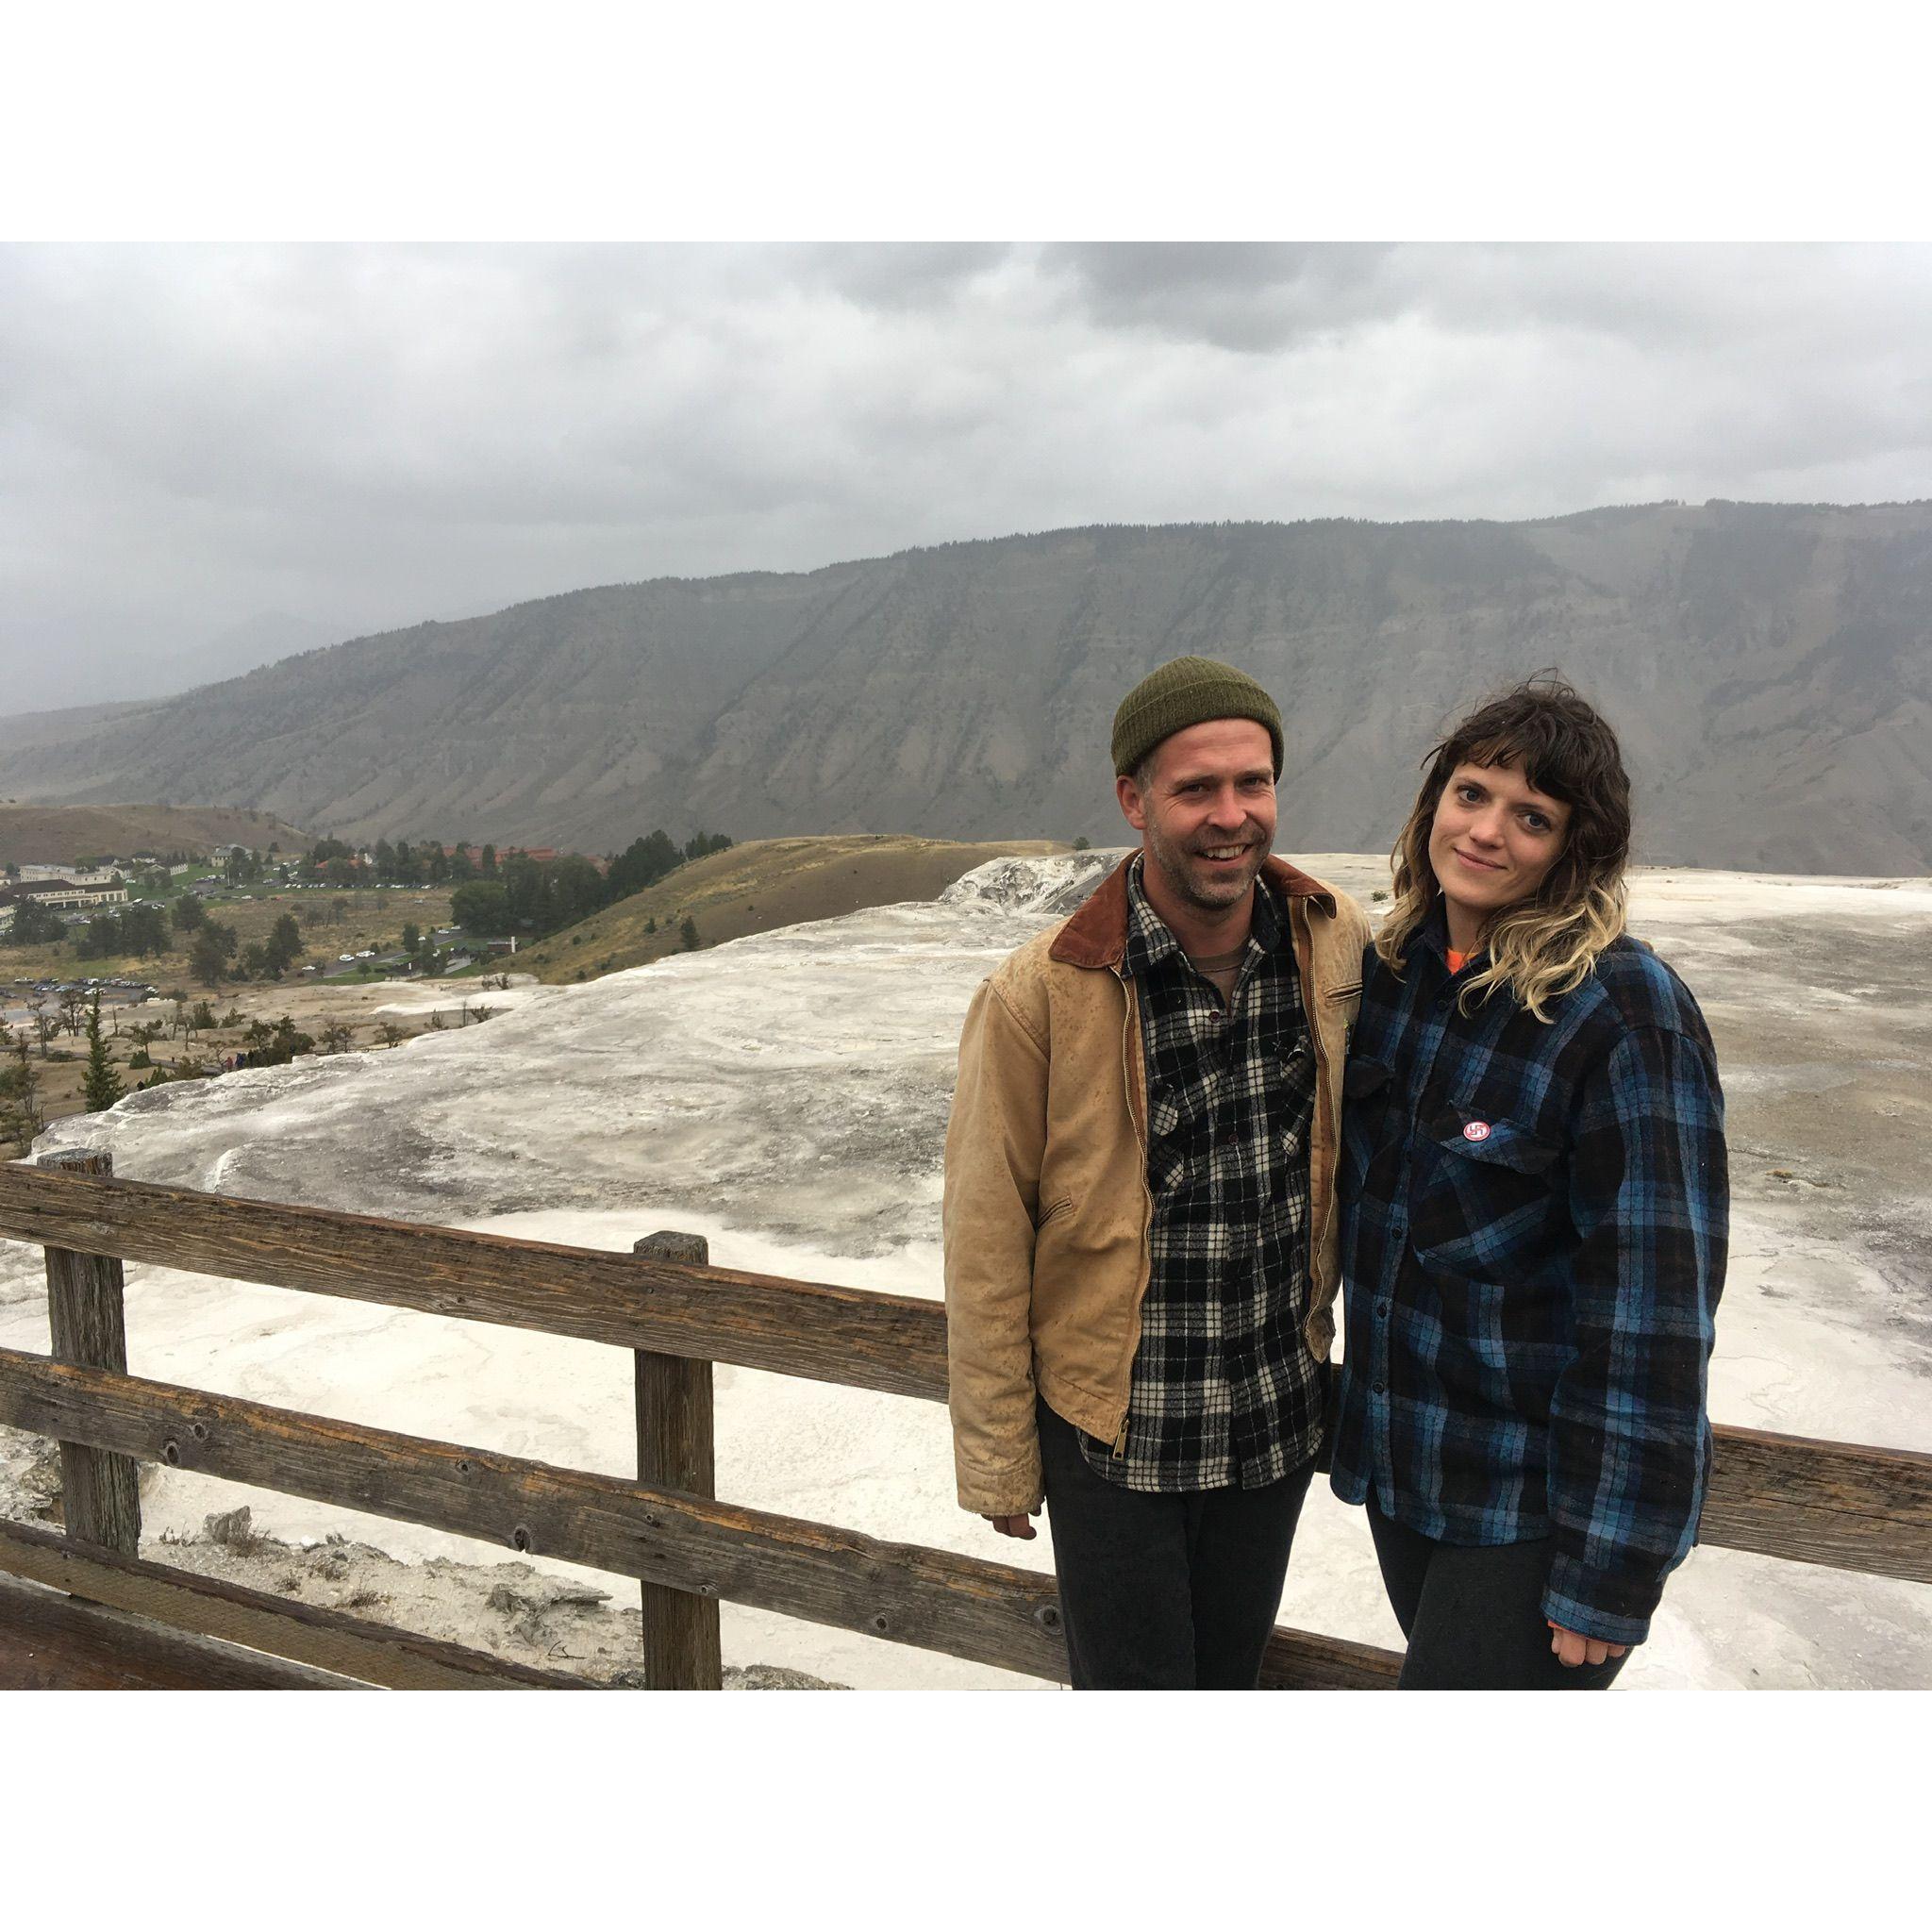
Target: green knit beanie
[(1184, 692)]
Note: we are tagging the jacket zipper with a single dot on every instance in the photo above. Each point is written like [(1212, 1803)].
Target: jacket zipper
[(1323, 1064), (1120, 1441)]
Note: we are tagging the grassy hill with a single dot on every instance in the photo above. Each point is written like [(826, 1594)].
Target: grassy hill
[(760, 885), (59, 834)]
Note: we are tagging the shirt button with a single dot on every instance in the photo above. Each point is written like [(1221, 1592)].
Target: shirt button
[(1382, 1310), (1381, 1388)]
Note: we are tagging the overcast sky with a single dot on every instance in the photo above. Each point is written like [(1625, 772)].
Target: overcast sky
[(218, 446)]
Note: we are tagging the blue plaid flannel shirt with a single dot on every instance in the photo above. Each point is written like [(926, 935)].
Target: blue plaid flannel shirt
[(1534, 1231)]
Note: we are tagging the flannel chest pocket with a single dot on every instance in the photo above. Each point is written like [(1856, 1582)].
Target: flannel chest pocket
[(1488, 1199), (1169, 1168), (1366, 1088)]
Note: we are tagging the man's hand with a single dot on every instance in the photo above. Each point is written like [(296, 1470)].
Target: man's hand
[(1014, 1526), (1573, 1647)]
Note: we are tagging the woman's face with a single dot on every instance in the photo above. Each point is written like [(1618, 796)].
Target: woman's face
[(1492, 843)]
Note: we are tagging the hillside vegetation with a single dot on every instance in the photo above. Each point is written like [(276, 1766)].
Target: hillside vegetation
[(331, 923), (759, 885), (62, 834)]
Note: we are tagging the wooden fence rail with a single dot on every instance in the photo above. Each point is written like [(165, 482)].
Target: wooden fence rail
[(351, 1648), (864, 1340), (1852, 1507), (989, 1613)]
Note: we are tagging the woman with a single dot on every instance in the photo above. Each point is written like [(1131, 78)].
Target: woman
[(1534, 1202)]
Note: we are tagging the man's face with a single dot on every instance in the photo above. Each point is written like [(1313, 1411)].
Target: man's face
[(1206, 818)]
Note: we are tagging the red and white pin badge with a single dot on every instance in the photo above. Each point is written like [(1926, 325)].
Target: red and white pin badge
[(1477, 1130)]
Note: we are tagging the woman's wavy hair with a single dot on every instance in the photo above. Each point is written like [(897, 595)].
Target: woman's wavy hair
[(1549, 943)]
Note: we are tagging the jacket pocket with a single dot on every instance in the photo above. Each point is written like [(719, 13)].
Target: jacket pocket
[(1367, 1085), (1335, 1015), (1364, 1078), (1491, 1139), (1488, 1196)]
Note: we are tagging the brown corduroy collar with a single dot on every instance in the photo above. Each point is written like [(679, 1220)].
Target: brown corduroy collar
[(1097, 934)]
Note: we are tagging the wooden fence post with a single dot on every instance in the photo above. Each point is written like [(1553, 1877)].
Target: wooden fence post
[(100, 1492), (676, 1451)]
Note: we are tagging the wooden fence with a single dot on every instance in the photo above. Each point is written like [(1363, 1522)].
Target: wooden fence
[(1815, 1502)]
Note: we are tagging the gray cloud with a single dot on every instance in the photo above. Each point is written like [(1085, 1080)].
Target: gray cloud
[(361, 436), (1247, 295)]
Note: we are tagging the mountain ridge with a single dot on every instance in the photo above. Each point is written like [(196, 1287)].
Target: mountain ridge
[(1767, 666)]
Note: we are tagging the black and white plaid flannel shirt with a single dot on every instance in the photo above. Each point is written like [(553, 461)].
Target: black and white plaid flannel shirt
[(1225, 1392)]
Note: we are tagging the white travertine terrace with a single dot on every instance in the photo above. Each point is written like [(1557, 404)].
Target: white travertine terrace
[(786, 1096)]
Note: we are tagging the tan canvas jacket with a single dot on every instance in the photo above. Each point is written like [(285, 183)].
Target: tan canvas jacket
[(1047, 1208)]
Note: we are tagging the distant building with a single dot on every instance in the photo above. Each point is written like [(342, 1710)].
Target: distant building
[(67, 875), (66, 896), (543, 855)]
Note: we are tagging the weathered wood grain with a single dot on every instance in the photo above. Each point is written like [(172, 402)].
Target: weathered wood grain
[(49, 1642), (325, 1639), (986, 1613), (898, 1592), (1839, 1503), (100, 1495), (677, 1451), (867, 1340), (1301, 1660)]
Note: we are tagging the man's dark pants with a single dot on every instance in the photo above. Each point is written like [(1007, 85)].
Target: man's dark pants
[(1164, 1592)]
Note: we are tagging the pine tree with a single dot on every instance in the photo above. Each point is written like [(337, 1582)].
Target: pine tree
[(284, 946), (205, 959), (687, 934), (21, 1120), (102, 1086)]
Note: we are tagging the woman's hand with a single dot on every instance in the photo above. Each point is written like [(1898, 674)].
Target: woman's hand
[(1014, 1526), (1573, 1647)]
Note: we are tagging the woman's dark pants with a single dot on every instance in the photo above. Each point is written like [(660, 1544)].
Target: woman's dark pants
[(1473, 1618), (1164, 1592)]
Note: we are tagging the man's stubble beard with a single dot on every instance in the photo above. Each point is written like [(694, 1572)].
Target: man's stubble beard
[(1175, 868)]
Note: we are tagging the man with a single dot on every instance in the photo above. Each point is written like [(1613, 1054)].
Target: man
[(1140, 1225)]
